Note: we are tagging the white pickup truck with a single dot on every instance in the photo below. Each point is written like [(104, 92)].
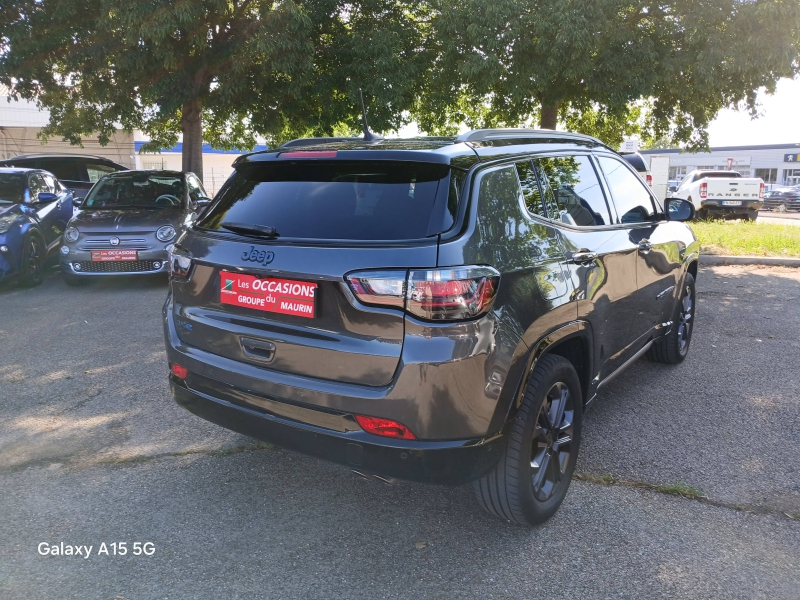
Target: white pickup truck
[(722, 193)]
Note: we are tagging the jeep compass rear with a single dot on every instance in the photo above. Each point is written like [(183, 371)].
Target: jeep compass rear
[(344, 299)]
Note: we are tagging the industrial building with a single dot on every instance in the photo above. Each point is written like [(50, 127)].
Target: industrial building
[(774, 163), (21, 121)]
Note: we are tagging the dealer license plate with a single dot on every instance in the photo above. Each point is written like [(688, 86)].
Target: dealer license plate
[(268, 294), (114, 255), (731, 203)]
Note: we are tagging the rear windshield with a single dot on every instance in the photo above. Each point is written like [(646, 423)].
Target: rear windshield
[(12, 188), (719, 174), (335, 200), (137, 190)]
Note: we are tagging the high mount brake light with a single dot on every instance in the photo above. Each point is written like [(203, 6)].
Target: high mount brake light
[(650, 180), (435, 294), (761, 191), (384, 427), (704, 190)]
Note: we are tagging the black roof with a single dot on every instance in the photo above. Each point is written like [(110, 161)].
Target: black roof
[(147, 172), (460, 151)]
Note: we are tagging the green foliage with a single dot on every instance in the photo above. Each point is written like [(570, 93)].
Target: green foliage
[(747, 238), (592, 60), (275, 68)]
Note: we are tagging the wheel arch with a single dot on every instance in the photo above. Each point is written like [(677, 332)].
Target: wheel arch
[(574, 342)]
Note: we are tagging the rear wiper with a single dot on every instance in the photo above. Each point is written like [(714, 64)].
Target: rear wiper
[(262, 231)]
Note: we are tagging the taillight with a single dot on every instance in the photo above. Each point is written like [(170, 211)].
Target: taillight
[(650, 180), (180, 263), (386, 288), (451, 294), (179, 371), (384, 427), (433, 294), (704, 190), (761, 190)]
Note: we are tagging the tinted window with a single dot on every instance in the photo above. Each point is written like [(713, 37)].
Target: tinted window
[(12, 188), (572, 187), (633, 201), (530, 189), (369, 200), (63, 168), (137, 190), (96, 171), (37, 185)]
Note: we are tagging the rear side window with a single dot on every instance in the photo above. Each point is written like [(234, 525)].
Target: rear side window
[(530, 189), (97, 171), (573, 192), (336, 200), (631, 197), (66, 169)]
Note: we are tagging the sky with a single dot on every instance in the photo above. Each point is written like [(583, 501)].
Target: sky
[(779, 121)]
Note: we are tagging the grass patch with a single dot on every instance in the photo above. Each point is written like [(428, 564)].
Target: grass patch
[(673, 489), (746, 238)]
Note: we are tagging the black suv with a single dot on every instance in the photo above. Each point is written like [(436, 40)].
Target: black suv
[(79, 172), (434, 309)]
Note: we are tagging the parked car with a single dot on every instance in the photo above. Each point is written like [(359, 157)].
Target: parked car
[(438, 310), (638, 162), (722, 193), (34, 210), (127, 223), (76, 171), (787, 197)]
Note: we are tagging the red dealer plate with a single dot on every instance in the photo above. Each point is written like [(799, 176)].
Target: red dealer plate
[(114, 255), (271, 295)]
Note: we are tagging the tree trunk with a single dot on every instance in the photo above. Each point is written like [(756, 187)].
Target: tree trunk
[(192, 125), (549, 116)]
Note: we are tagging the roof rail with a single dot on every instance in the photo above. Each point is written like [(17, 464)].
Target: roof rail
[(478, 135), (316, 141)]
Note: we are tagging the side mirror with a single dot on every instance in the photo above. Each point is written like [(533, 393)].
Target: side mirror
[(46, 197), (679, 209)]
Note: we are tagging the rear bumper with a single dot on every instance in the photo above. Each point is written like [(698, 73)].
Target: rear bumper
[(716, 206), (449, 462)]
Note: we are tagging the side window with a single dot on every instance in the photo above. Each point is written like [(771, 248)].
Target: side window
[(96, 170), (37, 185), (63, 168), (196, 190), (50, 181), (499, 190), (572, 191), (530, 189), (631, 197)]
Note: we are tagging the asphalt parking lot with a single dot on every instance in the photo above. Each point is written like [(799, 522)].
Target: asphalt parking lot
[(93, 450)]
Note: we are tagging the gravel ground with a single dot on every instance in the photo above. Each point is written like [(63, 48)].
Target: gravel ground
[(93, 449)]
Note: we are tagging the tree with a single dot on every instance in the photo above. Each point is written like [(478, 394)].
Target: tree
[(518, 60), (220, 70)]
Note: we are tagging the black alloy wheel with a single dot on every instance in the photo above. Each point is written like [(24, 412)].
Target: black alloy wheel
[(674, 346), (552, 441), (531, 479), (32, 261)]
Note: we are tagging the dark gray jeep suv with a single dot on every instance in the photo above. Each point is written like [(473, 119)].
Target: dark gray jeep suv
[(434, 309)]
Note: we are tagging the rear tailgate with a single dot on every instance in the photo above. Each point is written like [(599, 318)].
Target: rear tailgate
[(283, 304), (733, 189)]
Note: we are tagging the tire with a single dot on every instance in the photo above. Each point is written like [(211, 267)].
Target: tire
[(751, 216), (673, 347), (33, 258), (515, 489)]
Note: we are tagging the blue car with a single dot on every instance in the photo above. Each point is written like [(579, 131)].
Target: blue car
[(34, 210)]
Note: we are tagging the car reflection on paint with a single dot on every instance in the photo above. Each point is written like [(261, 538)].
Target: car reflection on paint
[(128, 222)]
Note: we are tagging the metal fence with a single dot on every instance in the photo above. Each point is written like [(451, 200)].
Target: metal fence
[(214, 177)]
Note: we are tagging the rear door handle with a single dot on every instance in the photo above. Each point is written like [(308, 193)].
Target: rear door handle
[(645, 246), (583, 257)]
